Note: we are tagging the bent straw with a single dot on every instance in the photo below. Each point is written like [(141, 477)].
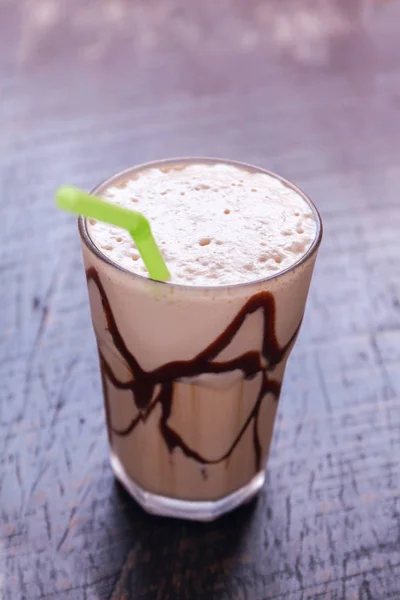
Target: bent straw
[(76, 201)]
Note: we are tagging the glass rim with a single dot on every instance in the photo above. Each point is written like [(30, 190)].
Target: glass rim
[(85, 236)]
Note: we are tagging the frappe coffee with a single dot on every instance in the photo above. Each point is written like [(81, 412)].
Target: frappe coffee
[(192, 369)]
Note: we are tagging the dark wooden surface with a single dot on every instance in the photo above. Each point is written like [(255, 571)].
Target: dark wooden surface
[(308, 88)]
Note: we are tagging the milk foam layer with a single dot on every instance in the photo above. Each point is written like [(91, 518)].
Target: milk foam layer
[(216, 223)]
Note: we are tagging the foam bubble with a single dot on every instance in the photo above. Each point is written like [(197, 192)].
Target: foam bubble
[(217, 224)]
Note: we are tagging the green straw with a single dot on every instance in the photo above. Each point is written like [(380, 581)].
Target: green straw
[(74, 200)]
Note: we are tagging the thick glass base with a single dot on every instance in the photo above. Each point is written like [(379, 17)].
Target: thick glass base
[(186, 509)]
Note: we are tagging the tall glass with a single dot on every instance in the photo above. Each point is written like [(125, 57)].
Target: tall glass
[(192, 375)]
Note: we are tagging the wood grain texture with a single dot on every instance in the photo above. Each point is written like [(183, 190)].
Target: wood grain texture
[(309, 89)]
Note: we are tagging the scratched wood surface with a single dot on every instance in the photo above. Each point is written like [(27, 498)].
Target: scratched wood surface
[(308, 88)]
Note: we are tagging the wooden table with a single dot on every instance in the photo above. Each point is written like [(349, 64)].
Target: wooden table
[(309, 89)]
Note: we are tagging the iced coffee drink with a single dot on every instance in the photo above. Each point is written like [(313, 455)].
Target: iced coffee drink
[(192, 368)]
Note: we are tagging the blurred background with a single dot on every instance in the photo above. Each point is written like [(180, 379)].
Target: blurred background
[(108, 83)]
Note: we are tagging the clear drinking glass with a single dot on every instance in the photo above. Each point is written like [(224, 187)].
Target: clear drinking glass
[(192, 375)]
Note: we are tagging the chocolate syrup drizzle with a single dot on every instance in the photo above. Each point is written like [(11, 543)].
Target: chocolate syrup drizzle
[(143, 383)]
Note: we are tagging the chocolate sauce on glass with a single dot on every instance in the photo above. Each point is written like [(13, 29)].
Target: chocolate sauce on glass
[(142, 383)]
